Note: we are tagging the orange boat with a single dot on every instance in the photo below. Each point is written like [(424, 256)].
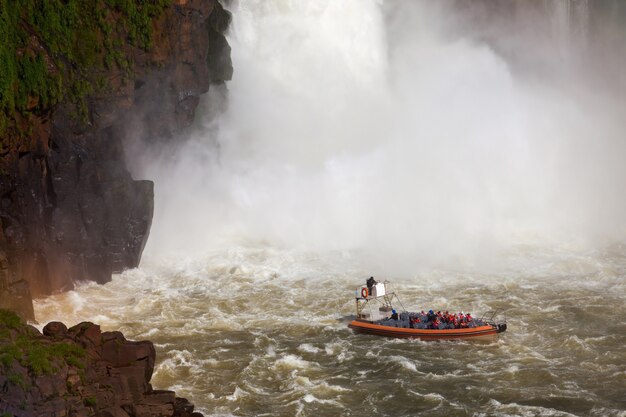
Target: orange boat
[(376, 315)]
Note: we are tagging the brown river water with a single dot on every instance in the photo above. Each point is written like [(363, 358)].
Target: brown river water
[(260, 331)]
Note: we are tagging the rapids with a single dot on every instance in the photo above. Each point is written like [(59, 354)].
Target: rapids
[(394, 139), (261, 331)]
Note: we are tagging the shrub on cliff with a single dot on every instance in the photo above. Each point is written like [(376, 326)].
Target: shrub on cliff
[(9, 320), (25, 345)]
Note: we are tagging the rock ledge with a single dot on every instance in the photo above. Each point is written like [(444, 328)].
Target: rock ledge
[(80, 371)]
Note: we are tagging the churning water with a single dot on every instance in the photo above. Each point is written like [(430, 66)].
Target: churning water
[(389, 139), (260, 331)]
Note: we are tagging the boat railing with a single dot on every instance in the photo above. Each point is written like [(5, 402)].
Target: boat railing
[(364, 292), (376, 302), (495, 318)]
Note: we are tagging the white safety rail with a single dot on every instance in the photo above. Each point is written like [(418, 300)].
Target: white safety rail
[(377, 290), (374, 303)]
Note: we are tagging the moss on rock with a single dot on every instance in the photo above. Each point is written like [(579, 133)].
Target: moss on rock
[(19, 343), (53, 51)]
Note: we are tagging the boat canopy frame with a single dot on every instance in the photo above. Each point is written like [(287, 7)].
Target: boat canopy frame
[(494, 317), (384, 302)]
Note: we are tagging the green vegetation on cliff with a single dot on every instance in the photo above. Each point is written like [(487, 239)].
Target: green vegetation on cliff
[(9, 320), (58, 50), (22, 344)]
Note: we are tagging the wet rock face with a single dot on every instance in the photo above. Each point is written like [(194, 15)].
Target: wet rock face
[(74, 213), (91, 373), (14, 292), (198, 55), (69, 209)]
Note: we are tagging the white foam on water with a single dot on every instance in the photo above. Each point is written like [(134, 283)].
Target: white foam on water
[(237, 394), (404, 362), (512, 369), (609, 412), (446, 375), (175, 360), (292, 362), (500, 409), (322, 388), (309, 348), (308, 398), (434, 397)]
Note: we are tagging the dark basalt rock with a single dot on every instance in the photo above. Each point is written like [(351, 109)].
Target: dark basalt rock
[(55, 330), (14, 292), (69, 208), (109, 377)]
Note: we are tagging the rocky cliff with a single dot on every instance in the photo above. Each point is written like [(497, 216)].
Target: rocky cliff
[(69, 209), (80, 371)]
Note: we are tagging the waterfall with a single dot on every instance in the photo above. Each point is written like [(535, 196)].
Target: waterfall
[(397, 130)]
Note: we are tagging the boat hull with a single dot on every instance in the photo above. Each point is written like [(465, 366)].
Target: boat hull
[(389, 331)]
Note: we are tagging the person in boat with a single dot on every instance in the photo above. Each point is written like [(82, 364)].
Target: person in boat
[(394, 315), (431, 316), (436, 323), (370, 283)]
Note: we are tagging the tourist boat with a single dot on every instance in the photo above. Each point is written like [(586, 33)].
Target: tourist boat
[(375, 308)]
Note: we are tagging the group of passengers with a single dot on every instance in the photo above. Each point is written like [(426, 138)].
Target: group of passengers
[(442, 320), (430, 320), (439, 320)]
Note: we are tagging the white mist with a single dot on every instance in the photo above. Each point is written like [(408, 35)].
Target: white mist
[(383, 129)]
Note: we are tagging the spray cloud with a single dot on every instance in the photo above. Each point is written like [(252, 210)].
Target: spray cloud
[(410, 132)]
